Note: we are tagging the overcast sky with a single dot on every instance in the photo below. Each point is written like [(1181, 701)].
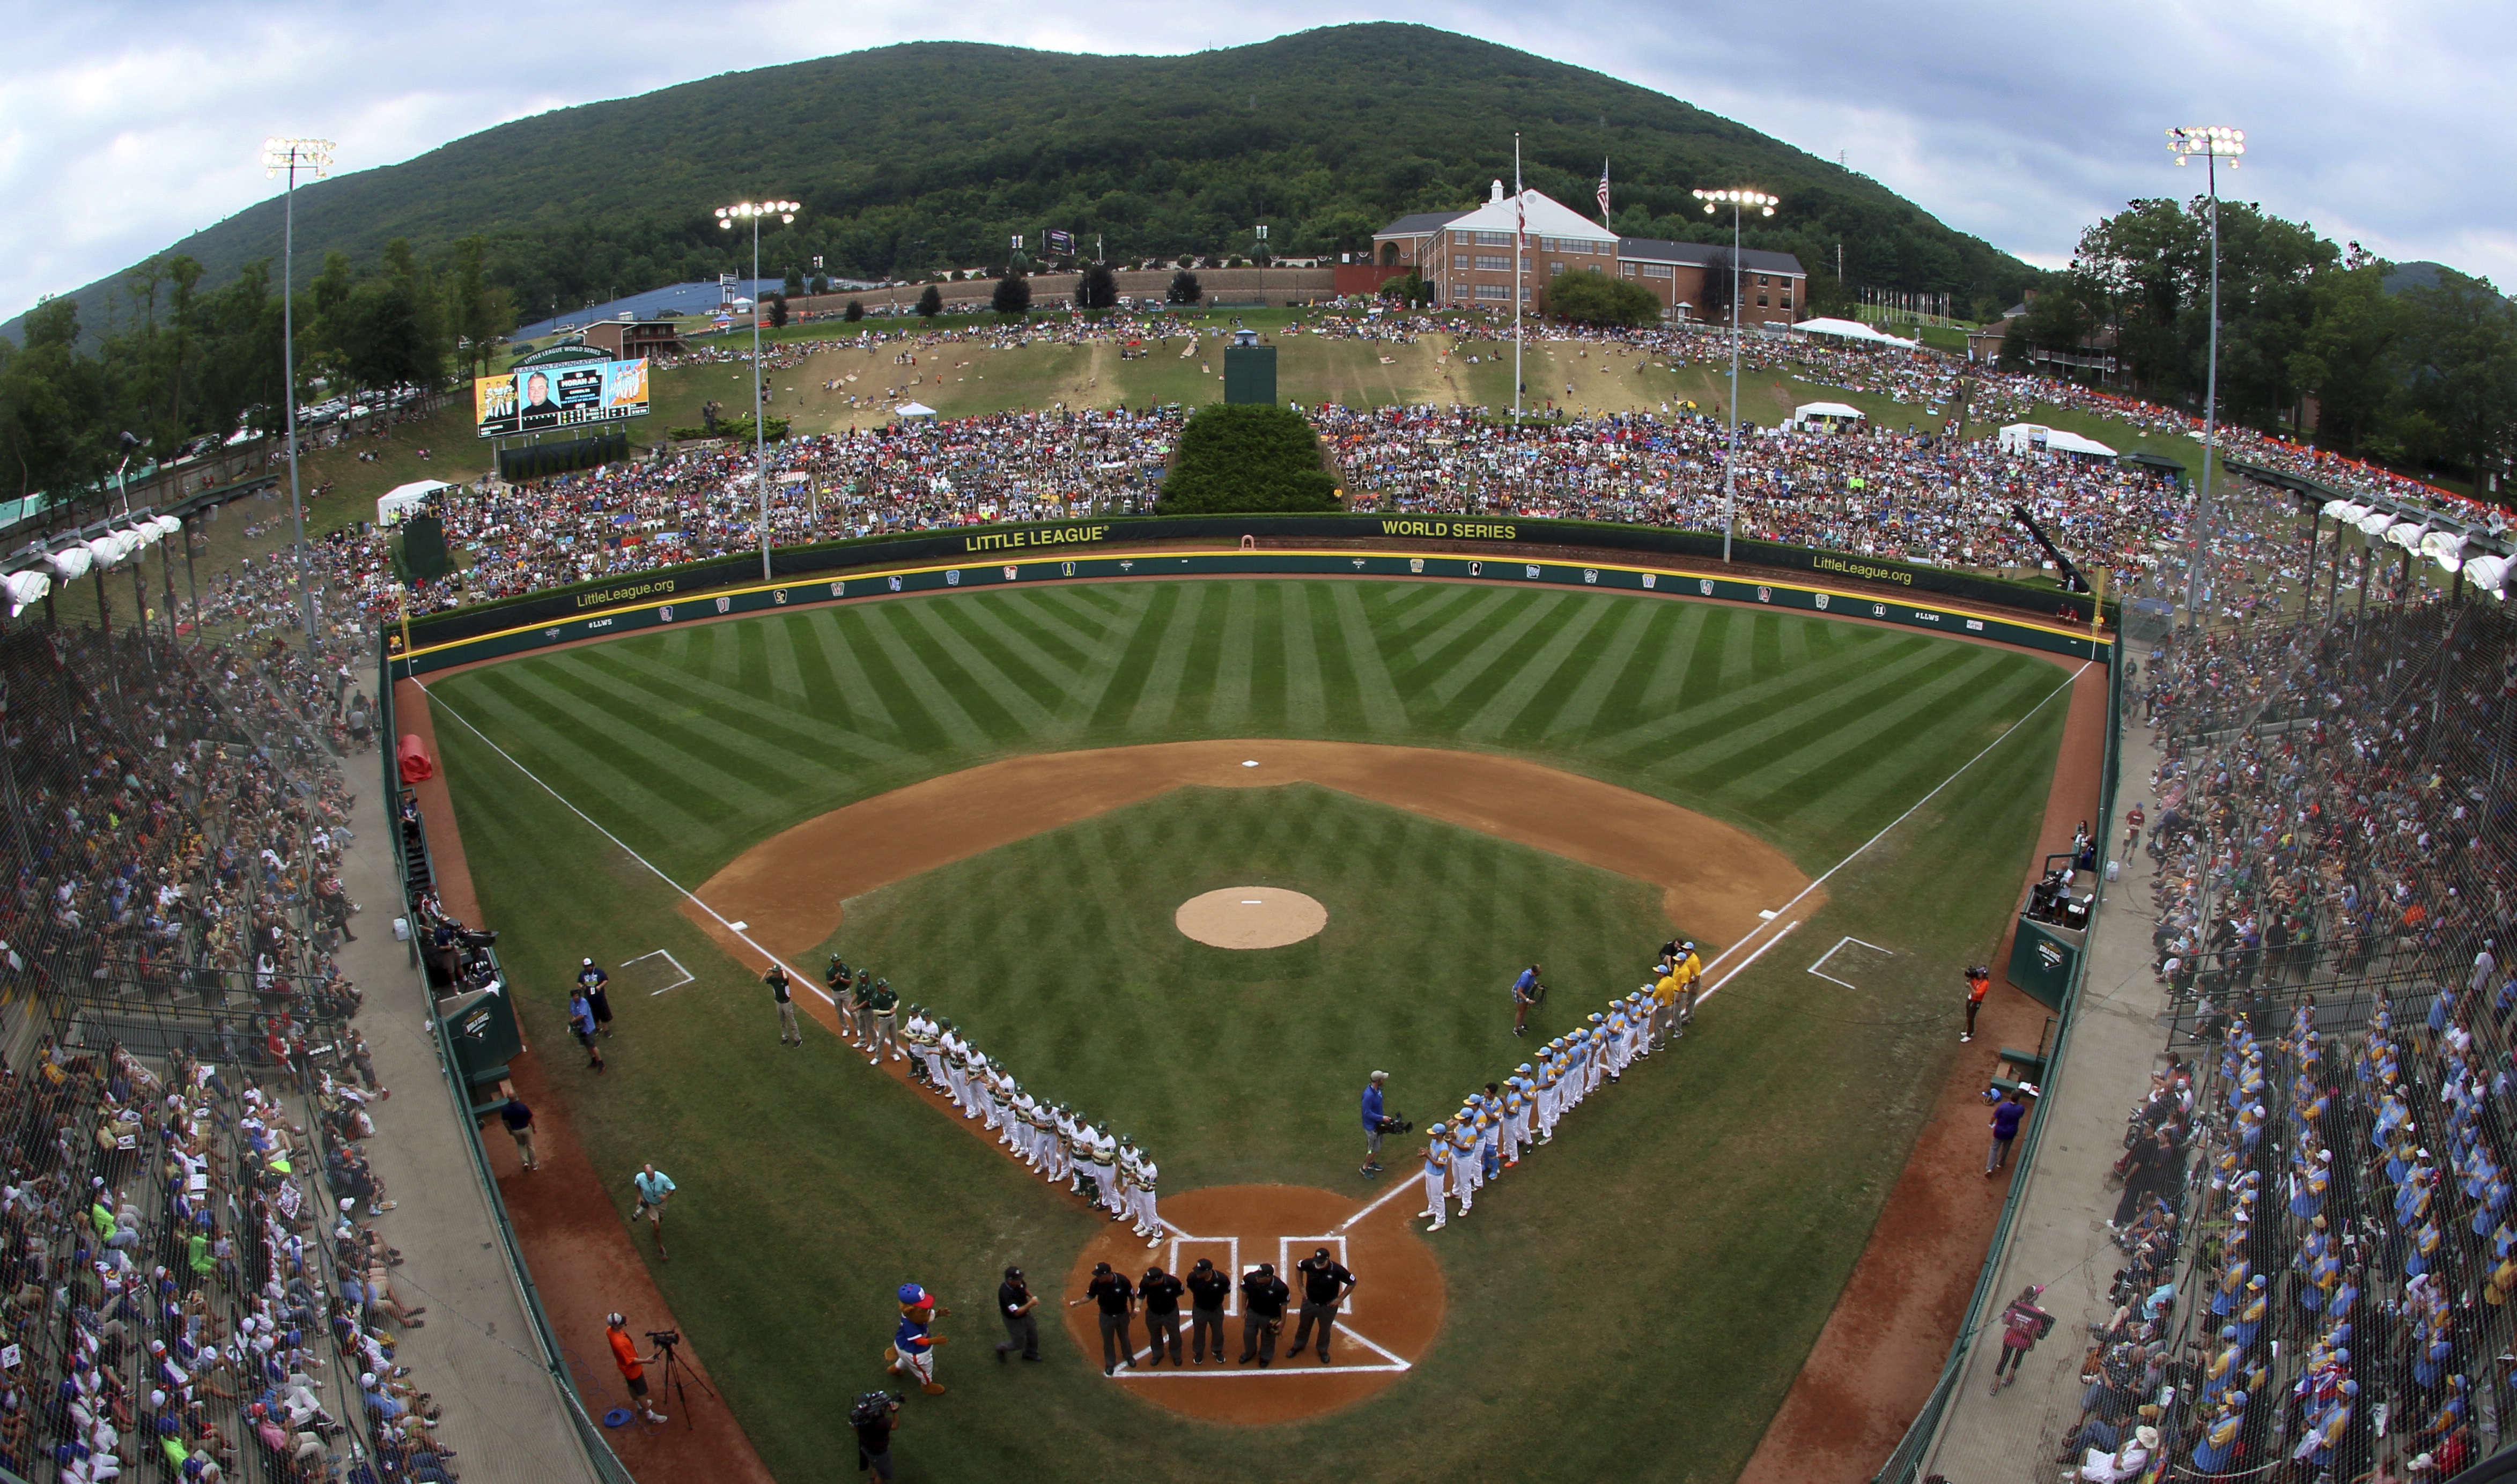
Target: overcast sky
[(125, 125)]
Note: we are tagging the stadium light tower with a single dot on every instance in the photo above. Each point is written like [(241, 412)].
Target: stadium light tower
[(2214, 143), (726, 217), (1739, 201), (314, 156)]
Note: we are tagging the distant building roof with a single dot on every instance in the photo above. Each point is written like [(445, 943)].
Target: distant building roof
[(1755, 260), (1417, 224)]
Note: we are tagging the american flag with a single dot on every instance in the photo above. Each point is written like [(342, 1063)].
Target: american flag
[(1603, 188)]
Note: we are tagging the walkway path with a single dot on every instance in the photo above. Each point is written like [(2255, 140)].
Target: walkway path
[(476, 1353), (2059, 1238)]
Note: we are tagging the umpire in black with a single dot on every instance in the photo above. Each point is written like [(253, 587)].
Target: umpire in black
[(1208, 1290), (1118, 1300), (1014, 1305), (1262, 1313), (1161, 1293), (1325, 1285)]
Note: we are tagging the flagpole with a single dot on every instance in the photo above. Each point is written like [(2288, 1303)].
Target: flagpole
[(1519, 249)]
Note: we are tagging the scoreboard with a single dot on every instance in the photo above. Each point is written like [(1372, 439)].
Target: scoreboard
[(537, 398)]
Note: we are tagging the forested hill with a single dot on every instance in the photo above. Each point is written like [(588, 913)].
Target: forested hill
[(930, 154)]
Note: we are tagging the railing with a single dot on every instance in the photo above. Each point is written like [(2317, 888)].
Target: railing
[(552, 1358)]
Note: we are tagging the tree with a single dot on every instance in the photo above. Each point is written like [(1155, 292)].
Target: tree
[(930, 303), (1247, 456), (855, 312), (1591, 297), (1097, 288), (1410, 290), (820, 284), (1012, 297), (1184, 289), (778, 311), (2459, 363), (795, 280), (2347, 361)]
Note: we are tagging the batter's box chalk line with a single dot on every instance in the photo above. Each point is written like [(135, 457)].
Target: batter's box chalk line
[(1391, 1363), (1819, 968), (670, 966)]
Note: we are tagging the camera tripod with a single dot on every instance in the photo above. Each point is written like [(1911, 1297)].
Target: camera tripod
[(675, 1371)]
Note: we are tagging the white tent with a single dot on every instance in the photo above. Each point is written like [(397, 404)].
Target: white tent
[(401, 499), (915, 409), (2024, 436), (1852, 329), (1814, 411)]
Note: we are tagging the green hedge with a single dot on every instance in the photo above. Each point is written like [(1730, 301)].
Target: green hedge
[(1245, 458)]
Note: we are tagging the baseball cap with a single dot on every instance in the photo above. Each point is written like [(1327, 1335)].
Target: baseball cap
[(1320, 1251), (614, 1320), (589, 963), (912, 1293)]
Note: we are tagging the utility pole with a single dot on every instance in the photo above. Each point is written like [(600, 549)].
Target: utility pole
[(292, 155)]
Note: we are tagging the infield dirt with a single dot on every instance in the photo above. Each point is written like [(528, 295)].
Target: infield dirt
[(1397, 1299), (790, 889)]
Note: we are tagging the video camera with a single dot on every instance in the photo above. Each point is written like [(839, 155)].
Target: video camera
[(665, 1336), (872, 1407), (1391, 1122)]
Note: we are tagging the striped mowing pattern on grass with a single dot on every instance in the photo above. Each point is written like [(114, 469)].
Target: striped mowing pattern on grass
[(696, 743)]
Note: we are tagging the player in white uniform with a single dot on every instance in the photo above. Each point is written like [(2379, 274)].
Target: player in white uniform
[(974, 1085), (1621, 1040), (1001, 1105), (1516, 1116), (1062, 1147), (1550, 1076), (957, 1066), (1437, 1174), (930, 1049), (1105, 1170), (1088, 1143), (1148, 1224), (1467, 1171)]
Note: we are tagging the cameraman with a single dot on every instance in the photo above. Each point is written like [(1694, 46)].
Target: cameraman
[(1374, 1116), (633, 1366), (875, 1418)]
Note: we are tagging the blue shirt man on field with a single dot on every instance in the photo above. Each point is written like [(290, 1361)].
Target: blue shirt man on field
[(1524, 994), (1373, 1117)]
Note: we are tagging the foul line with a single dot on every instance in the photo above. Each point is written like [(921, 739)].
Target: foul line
[(1857, 851), (804, 978), (1386, 1196)]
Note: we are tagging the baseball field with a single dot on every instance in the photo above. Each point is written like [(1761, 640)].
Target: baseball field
[(999, 799)]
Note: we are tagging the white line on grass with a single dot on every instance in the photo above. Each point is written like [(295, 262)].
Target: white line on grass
[(1839, 947), (687, 975), (1387, 1197), (736, 928), (1883, 833)]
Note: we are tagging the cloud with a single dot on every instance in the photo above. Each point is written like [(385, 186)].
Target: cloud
[(123, 126)]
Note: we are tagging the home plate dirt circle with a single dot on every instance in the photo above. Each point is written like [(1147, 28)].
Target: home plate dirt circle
[(1250, 917), (1386, 1327)]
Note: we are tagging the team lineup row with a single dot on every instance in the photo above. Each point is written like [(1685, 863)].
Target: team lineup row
[(1494, 1128), (1107, 1169)]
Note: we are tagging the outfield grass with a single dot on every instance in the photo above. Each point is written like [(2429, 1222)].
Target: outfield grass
[(1631, 1305)]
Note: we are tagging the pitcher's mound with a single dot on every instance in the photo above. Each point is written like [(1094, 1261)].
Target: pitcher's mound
[(1250, 917), (1387, 1324)]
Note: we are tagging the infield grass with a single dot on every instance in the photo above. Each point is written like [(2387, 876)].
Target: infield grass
[(1632, 1303)]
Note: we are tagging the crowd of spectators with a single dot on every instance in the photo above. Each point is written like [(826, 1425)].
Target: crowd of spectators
[(187, 1265), (2316, 1207), (1913, 494)]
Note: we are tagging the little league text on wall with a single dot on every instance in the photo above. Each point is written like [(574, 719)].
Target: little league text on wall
[(1061, 536)]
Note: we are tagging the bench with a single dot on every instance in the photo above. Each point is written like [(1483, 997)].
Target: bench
[(2029, 1065)]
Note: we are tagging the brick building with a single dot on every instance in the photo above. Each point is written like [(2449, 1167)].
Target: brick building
[(1467, 257)]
